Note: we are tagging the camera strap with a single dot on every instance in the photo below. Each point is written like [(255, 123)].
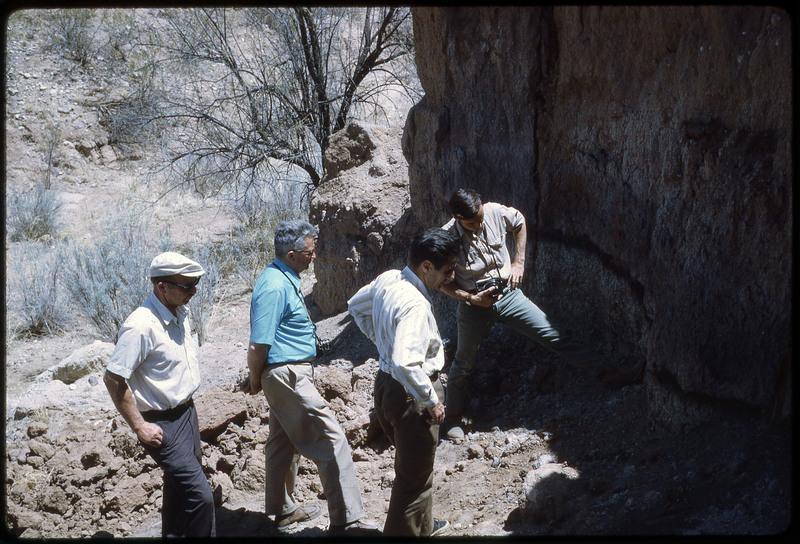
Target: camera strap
[(303, 302), (470, 243)]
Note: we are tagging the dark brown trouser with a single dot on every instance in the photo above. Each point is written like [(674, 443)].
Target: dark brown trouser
[(404, 422)]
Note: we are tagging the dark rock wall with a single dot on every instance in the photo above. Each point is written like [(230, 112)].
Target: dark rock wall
[(650, 150)]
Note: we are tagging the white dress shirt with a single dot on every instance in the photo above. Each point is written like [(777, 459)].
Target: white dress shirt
[(395, 312), (157, 355)]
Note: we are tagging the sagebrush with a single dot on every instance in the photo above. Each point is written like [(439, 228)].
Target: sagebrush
[(32, 214), (108, 278), (34, 289)]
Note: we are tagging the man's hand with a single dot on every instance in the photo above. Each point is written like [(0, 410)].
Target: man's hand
[(437, 414), (151, 434), (256, 360), (517, 271), (250, 386), (485, 298)]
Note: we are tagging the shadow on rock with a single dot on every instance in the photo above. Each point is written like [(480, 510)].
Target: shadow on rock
[(246, 523)]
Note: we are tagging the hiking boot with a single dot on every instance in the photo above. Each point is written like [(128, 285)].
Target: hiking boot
[(439, 526), (304, 513)]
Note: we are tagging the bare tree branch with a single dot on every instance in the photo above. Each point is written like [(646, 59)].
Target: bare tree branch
[(256, 87)]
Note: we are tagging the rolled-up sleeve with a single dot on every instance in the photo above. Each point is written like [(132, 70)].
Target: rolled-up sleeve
[(512, 217)]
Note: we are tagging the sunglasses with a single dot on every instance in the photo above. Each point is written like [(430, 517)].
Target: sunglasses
[(184, 286)]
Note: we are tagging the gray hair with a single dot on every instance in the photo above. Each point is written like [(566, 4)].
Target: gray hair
[(291, 235)]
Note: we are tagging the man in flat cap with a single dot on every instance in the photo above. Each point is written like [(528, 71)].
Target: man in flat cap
[(151, 377)]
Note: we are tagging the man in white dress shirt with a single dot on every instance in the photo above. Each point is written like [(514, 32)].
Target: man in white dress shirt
[(151, 377), (395, 312)]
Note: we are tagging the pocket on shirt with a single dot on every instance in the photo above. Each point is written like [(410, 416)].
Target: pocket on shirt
[(498, 242)]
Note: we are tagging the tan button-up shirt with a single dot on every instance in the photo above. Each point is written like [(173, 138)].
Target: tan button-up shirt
[(484, 253)]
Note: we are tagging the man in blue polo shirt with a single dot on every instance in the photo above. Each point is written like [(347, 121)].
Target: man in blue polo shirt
[(282, 348)]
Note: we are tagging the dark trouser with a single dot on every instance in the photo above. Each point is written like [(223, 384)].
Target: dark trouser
[(521, 314), (404, 422), (188, 503)]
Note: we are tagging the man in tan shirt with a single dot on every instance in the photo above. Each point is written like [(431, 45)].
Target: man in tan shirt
[(483, 257)]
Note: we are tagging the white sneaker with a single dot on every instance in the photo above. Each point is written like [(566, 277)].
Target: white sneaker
[(439, 526)]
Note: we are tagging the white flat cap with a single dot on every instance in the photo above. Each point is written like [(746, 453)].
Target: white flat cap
[(171, 263)]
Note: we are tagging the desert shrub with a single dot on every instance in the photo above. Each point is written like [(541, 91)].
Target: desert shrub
[(250, 246), (72, 35), (34, 290), (134, 117), (122, 34), (210, 290), (32, 215), (108, 278), (249, 251)]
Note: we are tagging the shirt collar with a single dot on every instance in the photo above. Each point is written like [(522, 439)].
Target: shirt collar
[(163, 312), (280, 265), (415, 280), (464, 232)]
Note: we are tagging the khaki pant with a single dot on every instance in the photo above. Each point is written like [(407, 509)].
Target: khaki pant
[(404, 422), (301, 423)]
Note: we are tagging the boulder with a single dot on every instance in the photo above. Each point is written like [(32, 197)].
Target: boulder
[(361, 209), (42, 449), (82, 362), (250, 475), (216, 408), (221, 486), (547, 491), (127, 495), (37, 428), (54, 500), (332, 382), (40, 396), (20, 519)]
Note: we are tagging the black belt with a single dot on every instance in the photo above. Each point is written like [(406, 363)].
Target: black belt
[(170, 413), (433, 377)]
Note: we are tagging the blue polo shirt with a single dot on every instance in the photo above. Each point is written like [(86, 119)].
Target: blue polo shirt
[(278, 317)]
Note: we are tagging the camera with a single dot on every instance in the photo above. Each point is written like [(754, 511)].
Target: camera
[(499, 285), (323, 347)]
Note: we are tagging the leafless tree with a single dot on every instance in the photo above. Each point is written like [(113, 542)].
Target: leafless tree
[(257, 89)]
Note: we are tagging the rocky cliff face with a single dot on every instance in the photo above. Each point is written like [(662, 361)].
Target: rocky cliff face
[(650, 150)]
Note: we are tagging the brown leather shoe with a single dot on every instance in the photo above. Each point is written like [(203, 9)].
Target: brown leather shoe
[(618, 378), (303, 513)]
